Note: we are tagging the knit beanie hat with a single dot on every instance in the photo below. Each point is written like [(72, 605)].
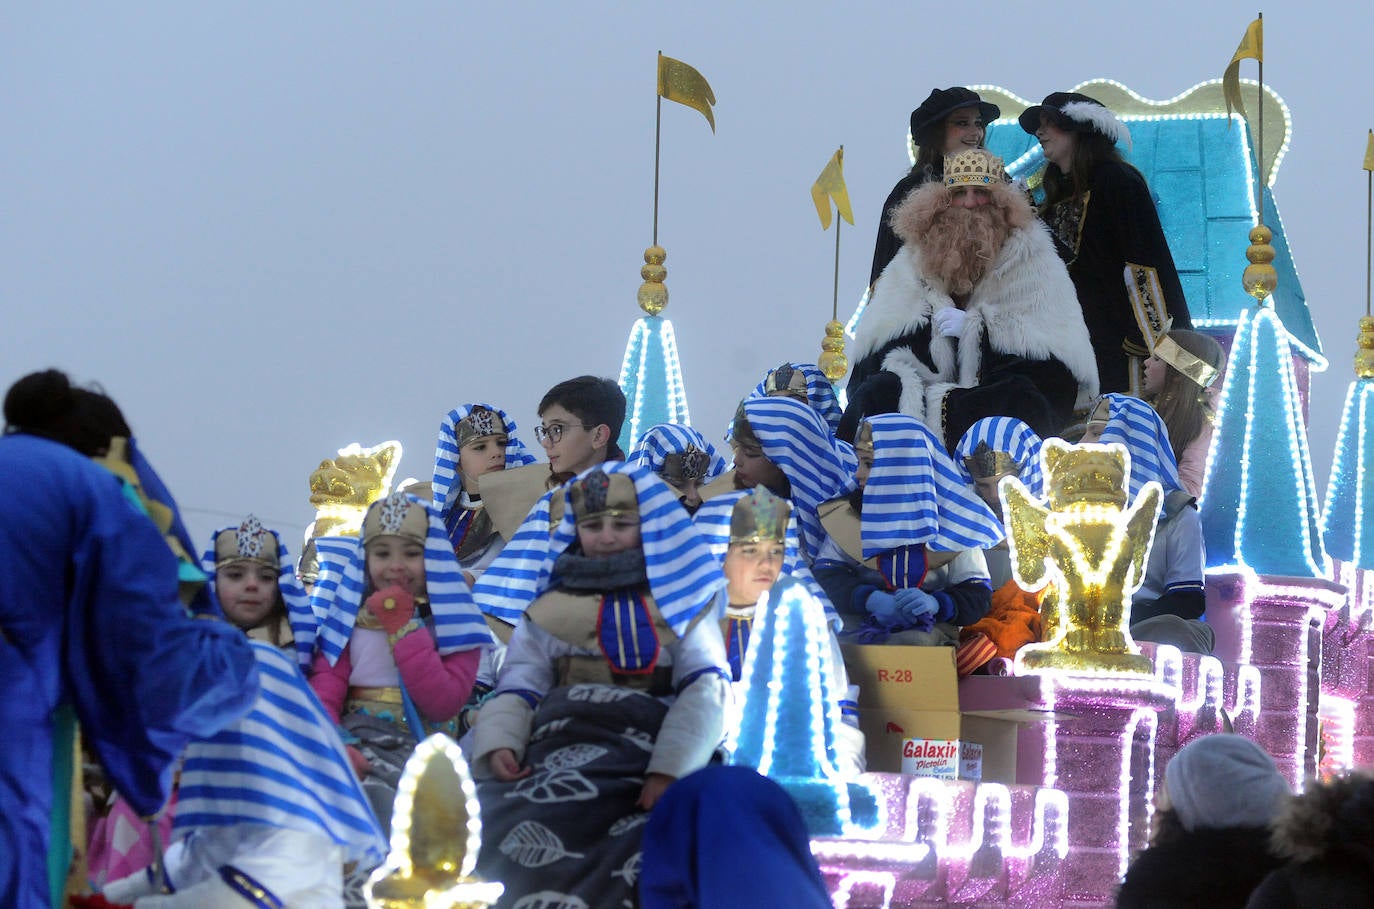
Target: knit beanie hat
[(1222, 781)]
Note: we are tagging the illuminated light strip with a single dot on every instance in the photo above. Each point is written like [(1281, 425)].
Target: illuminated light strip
[(939, 792), (641, 335), (1247, 343), (1338, 716), (1350, 471), (852, 879), (1139, 718), (1248, 680)]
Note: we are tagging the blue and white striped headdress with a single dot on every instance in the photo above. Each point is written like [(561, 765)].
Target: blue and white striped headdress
[(1010, 436), (801, 445), (511, 583), (820, 394), (282, 765), (674, 438), (458, 625), (332, 555), (1136, 425), (713, 520), (916, 494), (447, 483), (683, 575), (251, 533)]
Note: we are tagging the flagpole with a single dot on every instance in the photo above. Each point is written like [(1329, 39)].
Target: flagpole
[(1368, 225), (1260, 141), (658, 134), (835, 296)]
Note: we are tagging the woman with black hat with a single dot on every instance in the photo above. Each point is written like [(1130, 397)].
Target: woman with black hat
[(948, 121), (1107, 231)]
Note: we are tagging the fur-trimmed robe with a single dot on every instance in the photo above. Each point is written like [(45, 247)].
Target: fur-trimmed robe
[(1023, 352)]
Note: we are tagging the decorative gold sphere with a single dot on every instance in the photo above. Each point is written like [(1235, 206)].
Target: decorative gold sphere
[(1260, 278), (1364, 356), (832, 362), (653, 296)]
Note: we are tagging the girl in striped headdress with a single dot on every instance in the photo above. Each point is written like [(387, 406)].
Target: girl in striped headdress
[(1170, 602), (784, 445), (906, 556), (682, 458), (474, 439), (614, 685), (400, 643), (254, 582)]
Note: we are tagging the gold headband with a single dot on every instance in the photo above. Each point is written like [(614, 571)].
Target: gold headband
[(249, 542), (600, 493), (863, 439), (396, 516), (479, 424), (987, 462), (1199, 371)]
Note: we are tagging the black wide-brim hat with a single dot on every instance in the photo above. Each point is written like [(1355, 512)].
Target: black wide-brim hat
[(1053, 106), (944, 101), (1076, 113)]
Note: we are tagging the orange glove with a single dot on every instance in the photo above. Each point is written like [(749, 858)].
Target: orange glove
[(393, 606)]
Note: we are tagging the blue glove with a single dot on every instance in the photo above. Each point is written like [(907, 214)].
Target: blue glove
[(883, 607), (916, 606)]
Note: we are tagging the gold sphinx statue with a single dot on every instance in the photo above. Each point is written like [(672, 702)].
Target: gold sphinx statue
[(1087, 542)]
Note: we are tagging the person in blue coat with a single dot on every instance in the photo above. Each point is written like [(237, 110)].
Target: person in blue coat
[(91, 634)]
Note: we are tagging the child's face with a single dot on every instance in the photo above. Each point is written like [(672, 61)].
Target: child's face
[(865, 466), (569, 443), (1155, 371), (751, 569), (752, 468), (604, 536), (481, 456), (247, 592), (396, 561), (1097, 422)]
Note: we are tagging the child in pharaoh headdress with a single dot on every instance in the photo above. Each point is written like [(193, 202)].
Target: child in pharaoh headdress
[(682, 458), (904, 556), (757, 543), (474, 440), (254, 582), (785, 446), (401, 641), (613, 686)]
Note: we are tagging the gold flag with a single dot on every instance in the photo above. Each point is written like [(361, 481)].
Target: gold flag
[(1251, 48), (1369, 152), (830, 185), (681, 83)]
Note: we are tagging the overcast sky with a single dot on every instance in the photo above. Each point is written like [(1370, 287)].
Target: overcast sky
[(271, 229)]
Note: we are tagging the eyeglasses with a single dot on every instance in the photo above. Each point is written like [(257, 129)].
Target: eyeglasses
[(554, 431)]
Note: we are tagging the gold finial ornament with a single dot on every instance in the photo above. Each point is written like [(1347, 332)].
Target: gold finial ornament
[(832, 361), (1092, 547), (1260, 278), (653, 295), (436, 833), (1364, 356)]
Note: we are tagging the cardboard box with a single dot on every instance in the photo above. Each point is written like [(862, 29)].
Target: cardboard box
[(909, 692)]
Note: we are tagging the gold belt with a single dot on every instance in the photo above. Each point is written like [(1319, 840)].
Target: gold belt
[(387, 695)]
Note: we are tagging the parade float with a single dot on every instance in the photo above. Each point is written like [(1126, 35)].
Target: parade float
[(1071, 738)]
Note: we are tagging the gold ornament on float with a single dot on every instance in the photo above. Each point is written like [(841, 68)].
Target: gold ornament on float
[(653, 295), (436, 833), (1259, 277), (832, 362), (1092, 547), (1364, 356)]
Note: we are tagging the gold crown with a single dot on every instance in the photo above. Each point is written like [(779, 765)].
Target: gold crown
[(600, 493), (976, 166), (1084, 474), (680, 466), (759, 516), (396, 516), (249, 542), (479, 424), (786, 381), (986, 462)]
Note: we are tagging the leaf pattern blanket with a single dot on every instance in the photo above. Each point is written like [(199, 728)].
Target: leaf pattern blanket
[(568, 835)]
